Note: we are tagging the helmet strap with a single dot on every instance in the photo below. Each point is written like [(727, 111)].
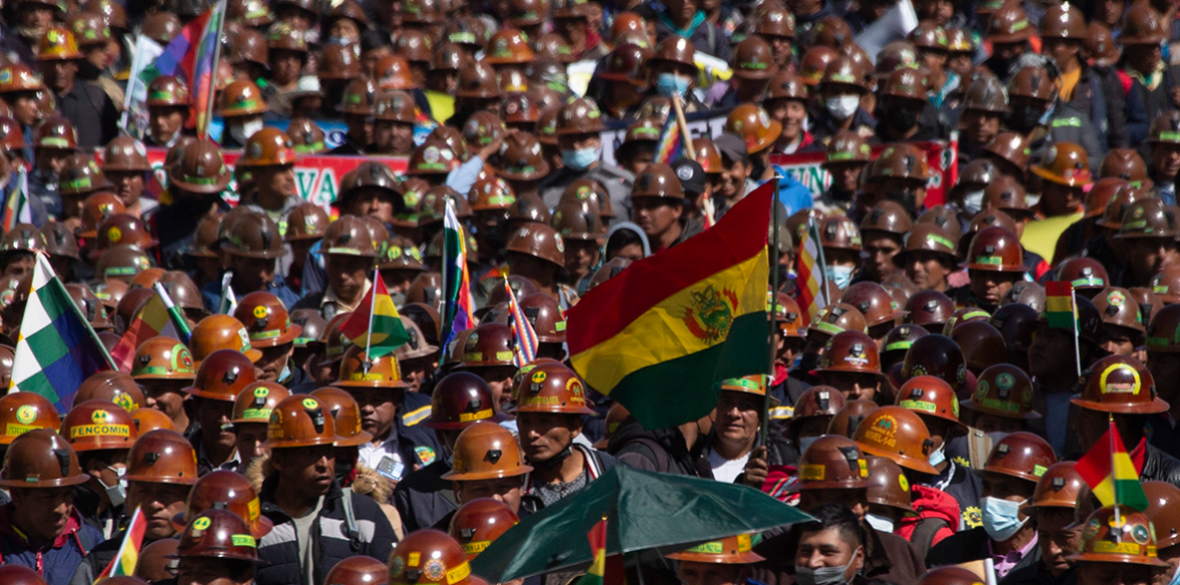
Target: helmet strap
[(555, 460)]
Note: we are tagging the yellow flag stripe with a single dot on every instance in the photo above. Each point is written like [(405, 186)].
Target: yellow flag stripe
[(662, 334), (1123, 467), (1058, 305)]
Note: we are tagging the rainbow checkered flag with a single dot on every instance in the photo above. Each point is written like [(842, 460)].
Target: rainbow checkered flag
[(671, 142), (525, 337), (811, 273)]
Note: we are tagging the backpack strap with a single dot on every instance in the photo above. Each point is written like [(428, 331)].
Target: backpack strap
[(354, 535), (659, 457), (923, 535)]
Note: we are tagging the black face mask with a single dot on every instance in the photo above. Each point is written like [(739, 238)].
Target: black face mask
[(900, 119), (1025, 118)]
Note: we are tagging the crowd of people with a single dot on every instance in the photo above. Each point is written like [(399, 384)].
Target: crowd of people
[(929, 406)]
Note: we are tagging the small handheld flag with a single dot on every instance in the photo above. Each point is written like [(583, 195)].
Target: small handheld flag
[(456, 307), (811, 274), (123, 565), (670, 143), (597, 536), (17, 209), (1112, 473), (376, 324), (228, 303), (1061, 310), (153, 319), (522, 331), (184, 334)]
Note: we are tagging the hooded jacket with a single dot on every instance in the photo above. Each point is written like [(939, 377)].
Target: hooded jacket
[(55, 562), (932, 504)]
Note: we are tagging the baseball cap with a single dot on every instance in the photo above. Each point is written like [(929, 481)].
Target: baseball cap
[(691, 175), (733, 147)]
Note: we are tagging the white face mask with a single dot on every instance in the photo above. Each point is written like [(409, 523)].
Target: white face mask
[(243, 132), (879, 522), (842, 107), (973, 202), (117, 493)]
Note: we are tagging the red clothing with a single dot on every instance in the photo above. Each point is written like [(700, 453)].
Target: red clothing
[(780, 483), (929, 502)]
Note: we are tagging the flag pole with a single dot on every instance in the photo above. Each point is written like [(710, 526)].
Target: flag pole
[(219, 11), (372, 309), (765, 429), (1077, 352), (688, 149), (1111, 430), (823, 264)]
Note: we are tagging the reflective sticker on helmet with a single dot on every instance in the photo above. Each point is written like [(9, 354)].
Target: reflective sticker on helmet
[(812, 472), (1039, 470), (1121, 387), (244, 540), (708, 548), (253, 509), (919, 405), (26, 414), (310, 403), (201, 523), (901, 480), (474, 416), (474, 548)]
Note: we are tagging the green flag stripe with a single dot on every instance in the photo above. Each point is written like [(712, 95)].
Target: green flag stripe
[(47, 345)]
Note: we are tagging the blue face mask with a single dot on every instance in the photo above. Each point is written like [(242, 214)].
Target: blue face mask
[(669, 84), (286, 373), (841, 274), (938, 456), (1175, 578), (1001, 518), (580, 159)]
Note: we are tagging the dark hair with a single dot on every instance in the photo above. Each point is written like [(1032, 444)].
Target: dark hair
[(619, 240), (372, 40), (833, 515)]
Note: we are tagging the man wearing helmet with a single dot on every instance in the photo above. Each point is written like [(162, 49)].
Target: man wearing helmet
[(488, 463), (1053, 366), (578, 126), (87, 106)]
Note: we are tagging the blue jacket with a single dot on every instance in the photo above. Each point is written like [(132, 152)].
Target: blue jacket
[(55, 563), (791, 193)]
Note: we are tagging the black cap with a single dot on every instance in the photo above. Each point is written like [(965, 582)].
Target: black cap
[(691, 175), (732, 147)]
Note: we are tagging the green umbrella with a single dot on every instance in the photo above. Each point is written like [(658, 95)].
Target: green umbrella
[(644, 510)]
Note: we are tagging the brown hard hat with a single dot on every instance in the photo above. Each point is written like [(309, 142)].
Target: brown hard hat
[(776, 21), (580, 116), (813, 66), (250, 46), (1142, 25), (18, 575), (1009, 24), (1032, 82), (1065, 164), (930, 396), (1017, 323), (897, 434), (112, 386), (200, 169), (1008, 195), (478, 80), (1162, 498), (80, 175), (1149, 304), (873, 301), (414, 45), (832, 31), (838, 317), (480, 522), (906, 83), (787, 315), (832, 462), (369, 174), (929, 35), (205, 237), (59, 241), (963, 315), (984, 219), (1059, 487), (255, 236), (1109, 198), (349, 236), (482, 128), (1166, 285), (221, 332), (256, 401), (520, 158), (96, 425), (490, 345), (226, 490), (847, 146), (55, 132), (307, 221), (491, 193), (447, 57), (359, 96), (888, 485), (360, 370), (850, 351), (753, 59), (268, 147), (357, 570), (1105, 538), (218, 534), (162, 358), (1120, 384), (486, 450), (58, 44), (266, 319), (591, 191), (1163, 332), (898, 341), (242, 98), (1010, 146), (843, 71), (1003, 390), (674, 49), (785, 85), (816, 402), (1064, 21), (121, 229), (754, 126), (41, 458), (433, 157), (508, 46), (731, 550), (1083, 273), (936, 355), (394, 73), (996, 249), (982, 344), (894, 56), (552, 388), (850, 416), (124, 153), (1125, 164), (900, 161), (837, 232), (627, 63), (1022, 455), (950, 575), (339, 62), (887, 217), (150, 419), (161, 27), (1165, 129), (429, 556), (222, 375), (657, 180), (460, 400), (545, 316), (347, 414), (168, 90), (300, 421), (15, 77), (12, 137), (540, 241), (21, 412), (1100, 44), (1148, 218), (395, 106)]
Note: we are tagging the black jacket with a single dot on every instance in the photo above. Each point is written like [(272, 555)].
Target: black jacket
[(660, 450), (329, 535), (91, 111), (423, 497), (972, 545), (1159, 466), (1038, 574)]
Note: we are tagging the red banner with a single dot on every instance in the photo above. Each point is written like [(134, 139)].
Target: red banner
[(317, 177), (940, 156)]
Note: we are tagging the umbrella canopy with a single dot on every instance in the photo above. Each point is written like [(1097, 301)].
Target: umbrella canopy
[(644, 510)]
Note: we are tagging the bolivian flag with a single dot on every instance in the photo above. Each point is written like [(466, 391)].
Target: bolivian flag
[(594, 575), (376, 324), (128, 556), (659, 336), (1110, 472), (1060, 309)]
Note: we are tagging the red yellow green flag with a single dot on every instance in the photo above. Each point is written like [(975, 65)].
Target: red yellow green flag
[(597, 536), (660, 337), (376, 323), (1060, 309), (1108, 469), (123, 565)]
